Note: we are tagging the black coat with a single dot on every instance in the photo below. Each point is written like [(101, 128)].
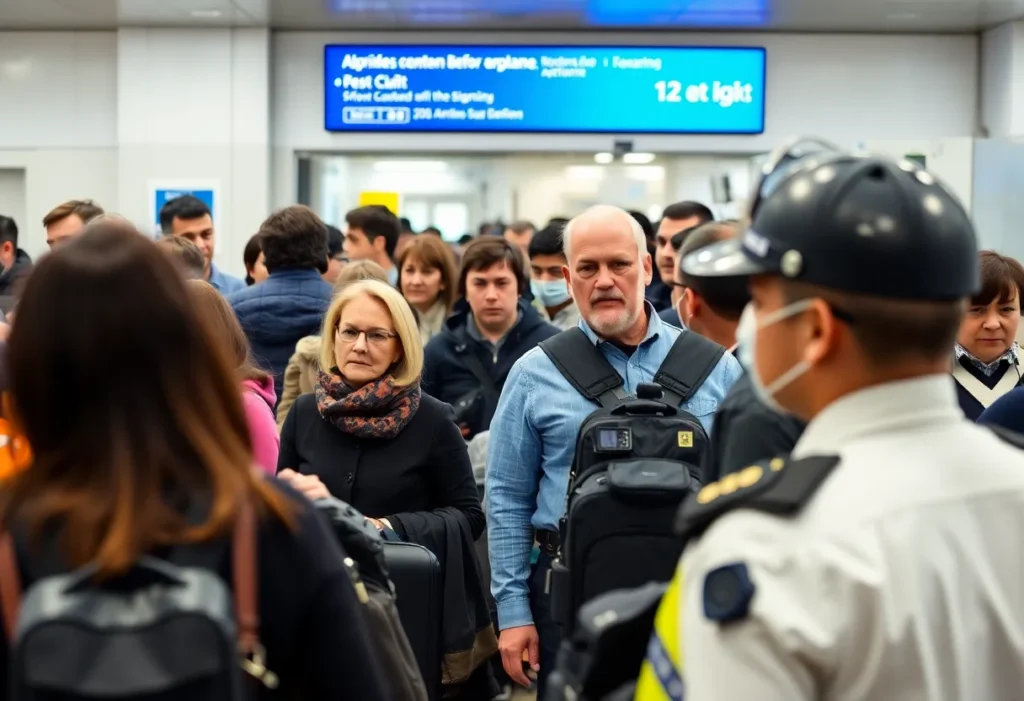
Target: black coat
[(447, 376), (745, 431), (425, 467)]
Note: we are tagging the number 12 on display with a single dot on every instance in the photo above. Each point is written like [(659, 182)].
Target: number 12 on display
[(722, 94), (669, 90)]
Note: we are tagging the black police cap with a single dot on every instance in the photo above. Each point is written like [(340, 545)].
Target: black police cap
[(855, 224)]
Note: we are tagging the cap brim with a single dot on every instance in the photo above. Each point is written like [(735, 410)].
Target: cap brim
[(722, 259)]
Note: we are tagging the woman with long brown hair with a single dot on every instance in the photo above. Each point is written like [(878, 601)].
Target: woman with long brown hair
[(135, 419), (258, 395)]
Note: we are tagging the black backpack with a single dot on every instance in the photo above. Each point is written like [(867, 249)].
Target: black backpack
[(602, 660), (169, 629), (635, 462)]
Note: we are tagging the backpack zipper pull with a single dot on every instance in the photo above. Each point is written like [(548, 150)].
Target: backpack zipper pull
[(357, 582)]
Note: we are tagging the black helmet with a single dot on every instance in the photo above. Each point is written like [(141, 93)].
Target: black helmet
[(865, 225)]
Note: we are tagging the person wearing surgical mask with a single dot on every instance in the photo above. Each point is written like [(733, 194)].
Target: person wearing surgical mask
[(747, 426), (547, 261)]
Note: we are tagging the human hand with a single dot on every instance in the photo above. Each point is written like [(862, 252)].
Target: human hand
[(310, 485), (378, 524), (512, 643)]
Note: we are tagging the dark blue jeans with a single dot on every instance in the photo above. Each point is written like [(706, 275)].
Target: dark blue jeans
[(549, 632)]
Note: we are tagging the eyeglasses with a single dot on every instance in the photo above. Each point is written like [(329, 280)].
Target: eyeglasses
[(376, 337)]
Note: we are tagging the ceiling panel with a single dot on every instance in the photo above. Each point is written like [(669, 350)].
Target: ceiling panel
[(742, 15)]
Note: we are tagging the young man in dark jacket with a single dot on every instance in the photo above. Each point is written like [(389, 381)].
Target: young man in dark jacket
[(290, 304), (491, 328)]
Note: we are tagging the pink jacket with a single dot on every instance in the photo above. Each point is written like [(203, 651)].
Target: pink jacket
[(258, 399)]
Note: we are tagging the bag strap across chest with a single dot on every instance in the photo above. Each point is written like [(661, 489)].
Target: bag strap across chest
[(688, 363)]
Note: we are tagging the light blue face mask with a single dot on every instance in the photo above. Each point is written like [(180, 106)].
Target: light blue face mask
[(746, 338), (551, 293)]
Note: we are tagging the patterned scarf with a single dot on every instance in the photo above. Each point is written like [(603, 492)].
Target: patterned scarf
[(378, 409)]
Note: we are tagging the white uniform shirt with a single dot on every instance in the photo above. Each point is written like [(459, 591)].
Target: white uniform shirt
[(901, 580)]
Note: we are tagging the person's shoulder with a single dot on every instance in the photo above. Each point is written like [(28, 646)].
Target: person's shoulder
[(434, 411), (534, 363), (241, 295), (1007, 411), (306, 403), (772, 489)]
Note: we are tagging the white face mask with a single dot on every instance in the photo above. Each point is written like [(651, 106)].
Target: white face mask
[(746, 337)]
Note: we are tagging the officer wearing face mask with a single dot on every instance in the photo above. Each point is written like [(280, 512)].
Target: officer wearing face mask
[(881, 560)]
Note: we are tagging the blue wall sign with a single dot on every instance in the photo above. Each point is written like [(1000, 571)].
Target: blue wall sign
[(163, 196), (622, 90)]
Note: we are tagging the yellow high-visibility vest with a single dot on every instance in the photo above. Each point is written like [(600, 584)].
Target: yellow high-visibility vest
[(661, 677)]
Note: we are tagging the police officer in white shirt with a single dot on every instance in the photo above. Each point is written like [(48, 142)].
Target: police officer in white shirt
[(883, 560)]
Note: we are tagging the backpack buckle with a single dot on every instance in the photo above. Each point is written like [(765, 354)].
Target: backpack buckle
[(253, 665)]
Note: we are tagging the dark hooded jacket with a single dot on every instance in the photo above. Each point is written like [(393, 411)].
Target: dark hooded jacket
[(287, 306), (10, 277), (448, 373)]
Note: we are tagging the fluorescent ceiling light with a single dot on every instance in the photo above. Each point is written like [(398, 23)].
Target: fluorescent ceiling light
[(206, 14), (603, 158), (637, 158), (410, 166), (650, 174), (584, 172)]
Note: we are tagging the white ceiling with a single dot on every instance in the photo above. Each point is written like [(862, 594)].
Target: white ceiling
[(753, 15)]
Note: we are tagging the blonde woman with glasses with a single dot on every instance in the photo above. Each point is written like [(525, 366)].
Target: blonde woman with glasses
[(370, 437)]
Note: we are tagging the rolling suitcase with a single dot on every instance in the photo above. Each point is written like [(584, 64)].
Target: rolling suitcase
[(419, 596)]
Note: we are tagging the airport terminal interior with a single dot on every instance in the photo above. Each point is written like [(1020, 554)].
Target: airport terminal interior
[(510, 349)]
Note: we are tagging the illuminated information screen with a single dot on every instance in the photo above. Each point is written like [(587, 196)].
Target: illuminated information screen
[(622, 90)]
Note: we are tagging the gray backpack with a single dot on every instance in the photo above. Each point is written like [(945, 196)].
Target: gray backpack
[(169, 629)]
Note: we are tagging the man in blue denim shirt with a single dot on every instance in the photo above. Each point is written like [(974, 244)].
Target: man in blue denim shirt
[(533, 433)]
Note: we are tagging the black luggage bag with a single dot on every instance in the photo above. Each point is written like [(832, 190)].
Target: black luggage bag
[(419, 596)]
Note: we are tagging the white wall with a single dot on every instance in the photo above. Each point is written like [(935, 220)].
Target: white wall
[(101, 114), (58, 120), (951, 160), (996, 97), (194, 105), (844, 87)]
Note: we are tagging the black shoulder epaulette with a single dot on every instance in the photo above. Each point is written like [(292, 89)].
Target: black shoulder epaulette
[(778, 486)]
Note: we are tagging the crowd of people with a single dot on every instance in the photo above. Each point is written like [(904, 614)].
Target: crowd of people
[(152, 398)]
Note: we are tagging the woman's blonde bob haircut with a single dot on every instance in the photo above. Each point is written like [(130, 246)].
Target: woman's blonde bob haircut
[(410, 367)]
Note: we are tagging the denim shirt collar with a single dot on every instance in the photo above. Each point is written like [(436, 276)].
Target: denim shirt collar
[(654, 327)]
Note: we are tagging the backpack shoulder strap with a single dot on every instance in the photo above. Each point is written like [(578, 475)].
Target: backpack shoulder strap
[(473, 364), (245, 584), (585, 367), (10, 585), (688, 363)]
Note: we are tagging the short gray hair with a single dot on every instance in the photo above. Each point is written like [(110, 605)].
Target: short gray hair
[(606, 211)]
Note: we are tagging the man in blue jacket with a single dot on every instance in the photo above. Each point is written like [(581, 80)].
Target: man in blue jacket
[(290, 304), (491, 328)]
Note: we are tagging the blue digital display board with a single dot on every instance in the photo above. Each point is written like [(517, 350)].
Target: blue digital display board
[(595, 89)]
